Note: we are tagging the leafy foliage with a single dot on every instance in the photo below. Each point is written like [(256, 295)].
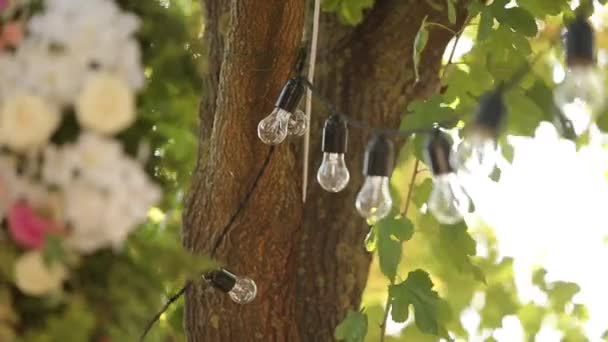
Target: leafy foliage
[(349, 11), (417, 290), (420, 41), (392, 232), (507, 37), (353, 328), (113, 294)]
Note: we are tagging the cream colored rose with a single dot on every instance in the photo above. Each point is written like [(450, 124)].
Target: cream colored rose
[(27, 122), (33, 277), (106, 105)]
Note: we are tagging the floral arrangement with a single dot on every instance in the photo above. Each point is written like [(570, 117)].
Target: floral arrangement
[(71, 72)]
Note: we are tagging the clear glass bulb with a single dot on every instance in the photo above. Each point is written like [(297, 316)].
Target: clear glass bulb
[(580, 96), (333, 176), (476, 154), (448, 201), (374, 200), (244, 291), (273, 129), (297, 123)]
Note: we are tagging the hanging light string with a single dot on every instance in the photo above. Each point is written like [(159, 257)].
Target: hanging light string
[(503, 86), (214, 278), (378, 157), (477, 153), (360, 124)]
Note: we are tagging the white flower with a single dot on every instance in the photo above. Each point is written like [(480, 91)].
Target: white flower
[(109, 197), (92, 32), (106, 105), (85, 211), (56, 75), (56, 168), (96, 158), (27, 122), (11, 73), (35, 278)]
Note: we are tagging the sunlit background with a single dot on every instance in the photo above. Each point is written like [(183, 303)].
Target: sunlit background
[(548, 210)]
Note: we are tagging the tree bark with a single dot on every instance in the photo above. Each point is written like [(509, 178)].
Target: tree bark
[(307, 259)]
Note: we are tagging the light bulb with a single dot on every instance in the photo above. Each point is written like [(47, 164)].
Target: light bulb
[(333, 176), (242, 290), (297, 123), (477, 154), (374, 200), (448, 200), (273, 129), (580, 96)]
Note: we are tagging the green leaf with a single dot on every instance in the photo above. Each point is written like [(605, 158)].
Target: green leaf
[(538, 278), (389, 255), (330, 5), (531, 317), (580, 312), (416, 290), (451, 11), (371, 240), (524, 113), (422, 192), (478, 274), (422, 37), (561, 293), (349, 11), (397, 228), (391, 233), (353, 328), (518, 19), (542, 8), (456, 246), (424, 113), (486, 23), (500, 302), (508, 152)]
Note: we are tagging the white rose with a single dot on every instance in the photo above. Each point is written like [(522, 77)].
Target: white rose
[(27, 122), (35, 278), (106, 104)]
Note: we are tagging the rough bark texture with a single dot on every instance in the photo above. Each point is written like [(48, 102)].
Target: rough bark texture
[(307, 260)]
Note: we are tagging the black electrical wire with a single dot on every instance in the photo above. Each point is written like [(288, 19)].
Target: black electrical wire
[(356, 123)]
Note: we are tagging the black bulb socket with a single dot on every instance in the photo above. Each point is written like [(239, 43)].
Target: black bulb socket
[(335, 135), (437, 153), (379, 157), (491, 113), (580, 42), (222, 280), (290, 95)]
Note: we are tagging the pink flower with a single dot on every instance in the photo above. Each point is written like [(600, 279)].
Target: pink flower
[(27, 227), (12, 33), (3, 5)]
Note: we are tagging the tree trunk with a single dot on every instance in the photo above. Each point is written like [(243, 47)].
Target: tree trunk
[(307, 260)]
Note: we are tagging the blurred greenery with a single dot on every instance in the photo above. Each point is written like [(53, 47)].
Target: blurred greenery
[(439, 275), (111, 296)]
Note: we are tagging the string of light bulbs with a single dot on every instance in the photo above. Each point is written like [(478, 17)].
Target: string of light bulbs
[(579, 98), (476, 154)]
